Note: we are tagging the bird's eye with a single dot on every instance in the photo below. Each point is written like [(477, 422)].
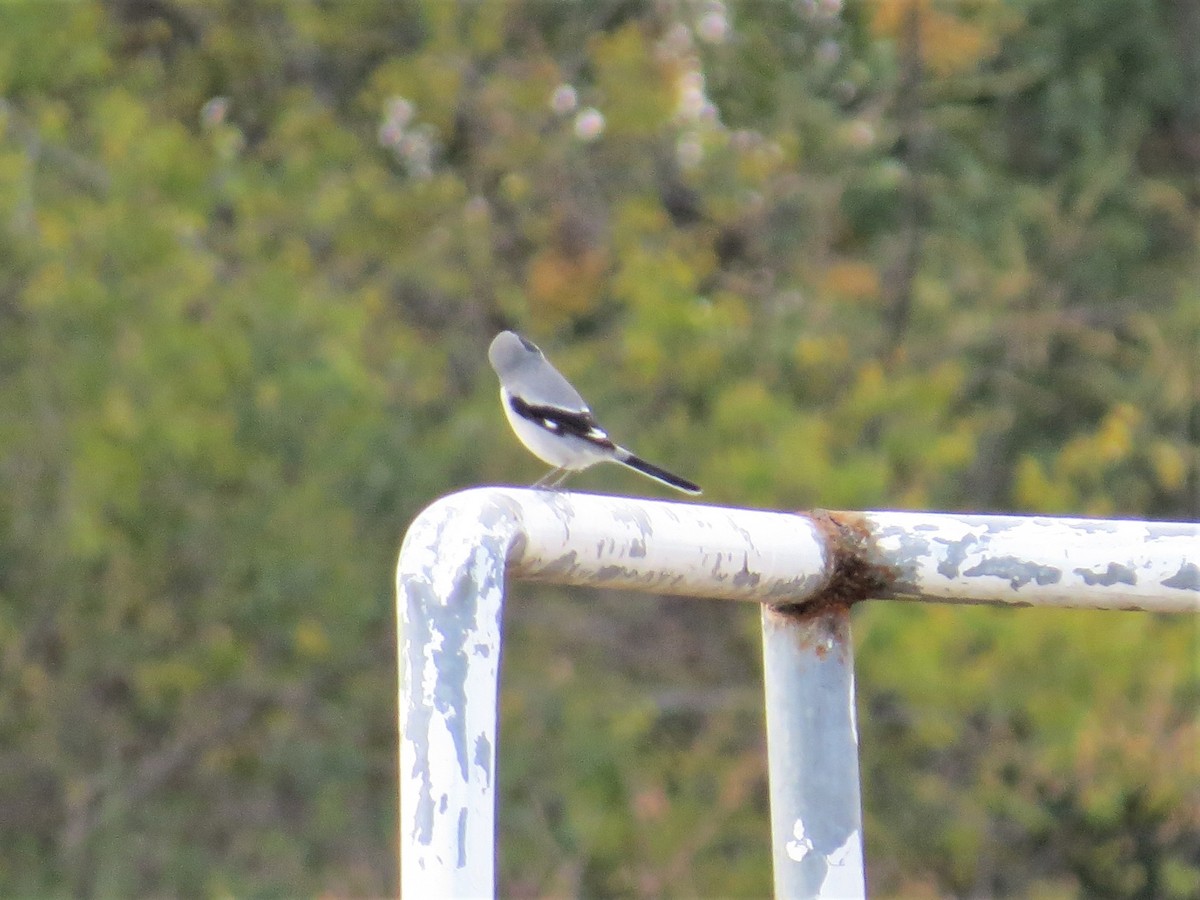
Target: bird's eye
[(532, 348)]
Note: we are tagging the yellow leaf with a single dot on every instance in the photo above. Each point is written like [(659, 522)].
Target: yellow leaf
[(566, 284), (311, 639), (852, 280), (1170, 467), (949, 44)]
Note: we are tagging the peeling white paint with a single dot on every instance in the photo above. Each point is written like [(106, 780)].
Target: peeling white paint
[(678, 548), (799, 846), (844, 877), (1039, 561)]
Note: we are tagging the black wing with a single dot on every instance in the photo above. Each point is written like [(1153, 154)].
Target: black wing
[(577, 423)]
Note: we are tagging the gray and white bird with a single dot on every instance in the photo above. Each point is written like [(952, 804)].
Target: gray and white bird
[(551, 419)]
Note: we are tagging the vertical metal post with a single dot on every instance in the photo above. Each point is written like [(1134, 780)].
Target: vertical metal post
[(812, 754), (449, 606)]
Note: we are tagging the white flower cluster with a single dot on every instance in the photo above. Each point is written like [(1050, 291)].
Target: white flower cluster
[(414, 145), (213, 112), (589, 121), (819, 9), (694, 111), (712, 26)]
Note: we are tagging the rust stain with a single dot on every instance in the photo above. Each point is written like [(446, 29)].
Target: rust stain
[(825, 630), (856, 573)]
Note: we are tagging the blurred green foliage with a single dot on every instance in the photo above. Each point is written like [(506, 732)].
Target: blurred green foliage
[(905, 254)]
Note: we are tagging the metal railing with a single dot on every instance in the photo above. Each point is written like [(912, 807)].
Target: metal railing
[(805, 569)]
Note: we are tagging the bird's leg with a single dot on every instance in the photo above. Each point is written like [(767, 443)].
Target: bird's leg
[(562, 476), (545, 480)]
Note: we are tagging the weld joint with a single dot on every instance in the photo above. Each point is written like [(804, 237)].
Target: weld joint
[(854, 573)]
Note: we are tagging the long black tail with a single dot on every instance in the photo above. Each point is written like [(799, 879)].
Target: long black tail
[(640, 465)]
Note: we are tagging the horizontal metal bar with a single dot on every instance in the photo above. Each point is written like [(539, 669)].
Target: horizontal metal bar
[(1036, 560), (647, 545)]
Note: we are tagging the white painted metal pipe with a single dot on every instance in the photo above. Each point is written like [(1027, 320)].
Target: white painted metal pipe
[(1038, 560), (459, 551), (450, 584), (812, 754)]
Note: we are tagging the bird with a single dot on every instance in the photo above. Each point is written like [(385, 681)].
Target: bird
[(552, 421)]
